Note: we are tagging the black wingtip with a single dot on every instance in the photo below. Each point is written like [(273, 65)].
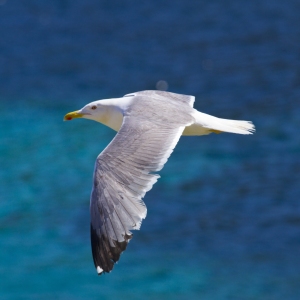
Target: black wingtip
[(105, 255)]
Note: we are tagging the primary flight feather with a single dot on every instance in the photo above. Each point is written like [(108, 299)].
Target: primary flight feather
[(149, 125)]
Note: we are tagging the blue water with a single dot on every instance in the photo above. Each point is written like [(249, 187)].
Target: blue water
[(224, 220)]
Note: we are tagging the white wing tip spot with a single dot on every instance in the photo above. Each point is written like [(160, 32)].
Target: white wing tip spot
[(99, 270)]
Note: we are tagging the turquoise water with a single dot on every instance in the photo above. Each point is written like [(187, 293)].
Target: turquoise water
[(224, 219)]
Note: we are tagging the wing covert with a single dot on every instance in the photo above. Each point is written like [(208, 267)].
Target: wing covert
[(185, 99)]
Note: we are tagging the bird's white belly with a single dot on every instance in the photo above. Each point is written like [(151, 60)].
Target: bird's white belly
[(196, 129), (114, 121)]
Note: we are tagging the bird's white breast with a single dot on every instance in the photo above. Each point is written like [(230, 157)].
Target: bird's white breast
[(115, 109)]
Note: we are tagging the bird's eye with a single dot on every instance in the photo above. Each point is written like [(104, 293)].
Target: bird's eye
[(94, 107)]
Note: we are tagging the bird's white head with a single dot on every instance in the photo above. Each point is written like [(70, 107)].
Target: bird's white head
[(97, 111), (108, 111)]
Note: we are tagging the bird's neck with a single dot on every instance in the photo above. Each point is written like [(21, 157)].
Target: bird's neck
[(113, 118), (114, 111)]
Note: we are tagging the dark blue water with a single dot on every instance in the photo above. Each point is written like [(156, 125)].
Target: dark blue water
[(224, 220)]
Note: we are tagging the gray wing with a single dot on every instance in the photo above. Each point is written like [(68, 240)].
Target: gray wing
[(171, 96), (124, 173)]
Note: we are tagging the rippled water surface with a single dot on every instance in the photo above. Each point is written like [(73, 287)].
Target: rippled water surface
[(224, 219)]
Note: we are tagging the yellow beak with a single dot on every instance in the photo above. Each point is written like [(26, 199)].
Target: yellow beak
[(73, 115)]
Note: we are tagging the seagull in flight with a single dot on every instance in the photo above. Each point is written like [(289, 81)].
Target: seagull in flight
[(149, 125)]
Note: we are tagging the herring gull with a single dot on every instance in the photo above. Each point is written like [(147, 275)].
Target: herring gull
[(149, 125)]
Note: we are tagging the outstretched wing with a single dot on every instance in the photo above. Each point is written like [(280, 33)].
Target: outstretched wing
[(124, 173), (171, 96)]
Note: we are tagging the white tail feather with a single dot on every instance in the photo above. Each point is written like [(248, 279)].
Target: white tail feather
[(206, 124)]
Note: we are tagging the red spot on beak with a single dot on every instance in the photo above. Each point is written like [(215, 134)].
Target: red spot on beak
[(69, 118)]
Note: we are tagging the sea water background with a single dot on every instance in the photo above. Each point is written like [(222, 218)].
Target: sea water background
[(224, 220)]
